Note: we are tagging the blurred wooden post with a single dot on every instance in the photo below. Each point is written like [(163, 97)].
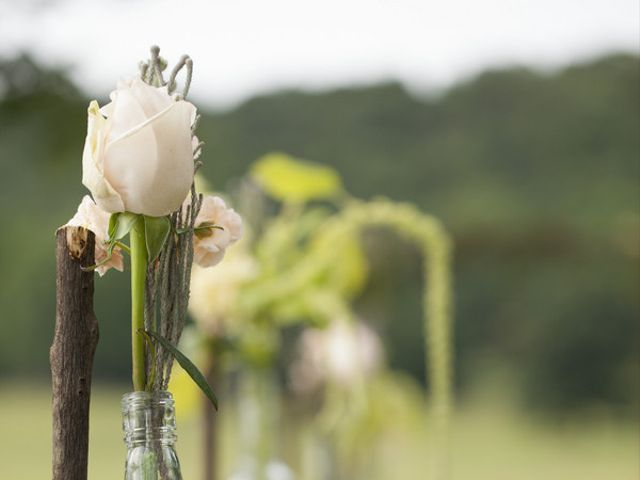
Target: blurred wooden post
[(71, 354), (210, 426)]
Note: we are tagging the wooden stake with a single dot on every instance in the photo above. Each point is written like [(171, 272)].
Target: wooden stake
[(71, 354)]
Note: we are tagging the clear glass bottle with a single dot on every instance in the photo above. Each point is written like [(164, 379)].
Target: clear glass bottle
[(149, 424)]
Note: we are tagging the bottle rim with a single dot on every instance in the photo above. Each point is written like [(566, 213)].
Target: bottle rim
[(157, 397)]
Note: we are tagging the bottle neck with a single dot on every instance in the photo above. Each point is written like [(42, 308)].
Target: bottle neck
[(148, 418)]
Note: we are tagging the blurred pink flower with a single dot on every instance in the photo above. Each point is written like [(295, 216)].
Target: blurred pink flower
[(340, 354)]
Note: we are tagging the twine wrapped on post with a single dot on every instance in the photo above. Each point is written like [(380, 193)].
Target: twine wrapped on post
[(72, 351)]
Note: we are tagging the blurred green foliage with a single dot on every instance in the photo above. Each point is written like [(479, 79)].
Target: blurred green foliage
[(535, 175)]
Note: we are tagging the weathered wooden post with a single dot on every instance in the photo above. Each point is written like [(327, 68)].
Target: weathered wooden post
[(71, 354)]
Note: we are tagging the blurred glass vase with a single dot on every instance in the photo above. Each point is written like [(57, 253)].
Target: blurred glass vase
[(149, 423), (259, 427)]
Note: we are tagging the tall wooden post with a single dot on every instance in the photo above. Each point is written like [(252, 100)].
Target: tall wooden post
[(71, 354)]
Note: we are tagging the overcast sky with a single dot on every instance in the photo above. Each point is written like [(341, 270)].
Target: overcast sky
[(243, 47)]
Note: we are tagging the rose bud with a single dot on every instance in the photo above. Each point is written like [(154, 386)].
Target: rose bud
[(138, 154)]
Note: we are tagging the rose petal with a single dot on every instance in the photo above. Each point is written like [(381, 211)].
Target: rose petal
[(152, 100), (92, 169), (126, 114), (92, 217), (158, 181), (206, 258), (209, 249)]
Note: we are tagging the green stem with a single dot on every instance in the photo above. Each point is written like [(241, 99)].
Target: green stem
[(138, 280)]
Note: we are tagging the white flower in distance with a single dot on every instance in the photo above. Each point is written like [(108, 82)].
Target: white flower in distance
[(215, 291), (340, 354), (93, 218), (138, 154), (209, 244)]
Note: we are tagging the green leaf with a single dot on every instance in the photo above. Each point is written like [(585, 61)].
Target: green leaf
[(120, 224), (201, 231), (290, 179), (156, 231), (186, 364), (205, 229), (113, 223)]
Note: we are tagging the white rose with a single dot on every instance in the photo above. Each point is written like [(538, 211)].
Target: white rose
[(93, 218), (138, 154), (209, 244)]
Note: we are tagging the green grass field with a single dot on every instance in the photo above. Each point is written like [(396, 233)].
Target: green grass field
[(489, 442)]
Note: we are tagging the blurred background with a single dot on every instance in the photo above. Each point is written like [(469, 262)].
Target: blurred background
[(516, 124)]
